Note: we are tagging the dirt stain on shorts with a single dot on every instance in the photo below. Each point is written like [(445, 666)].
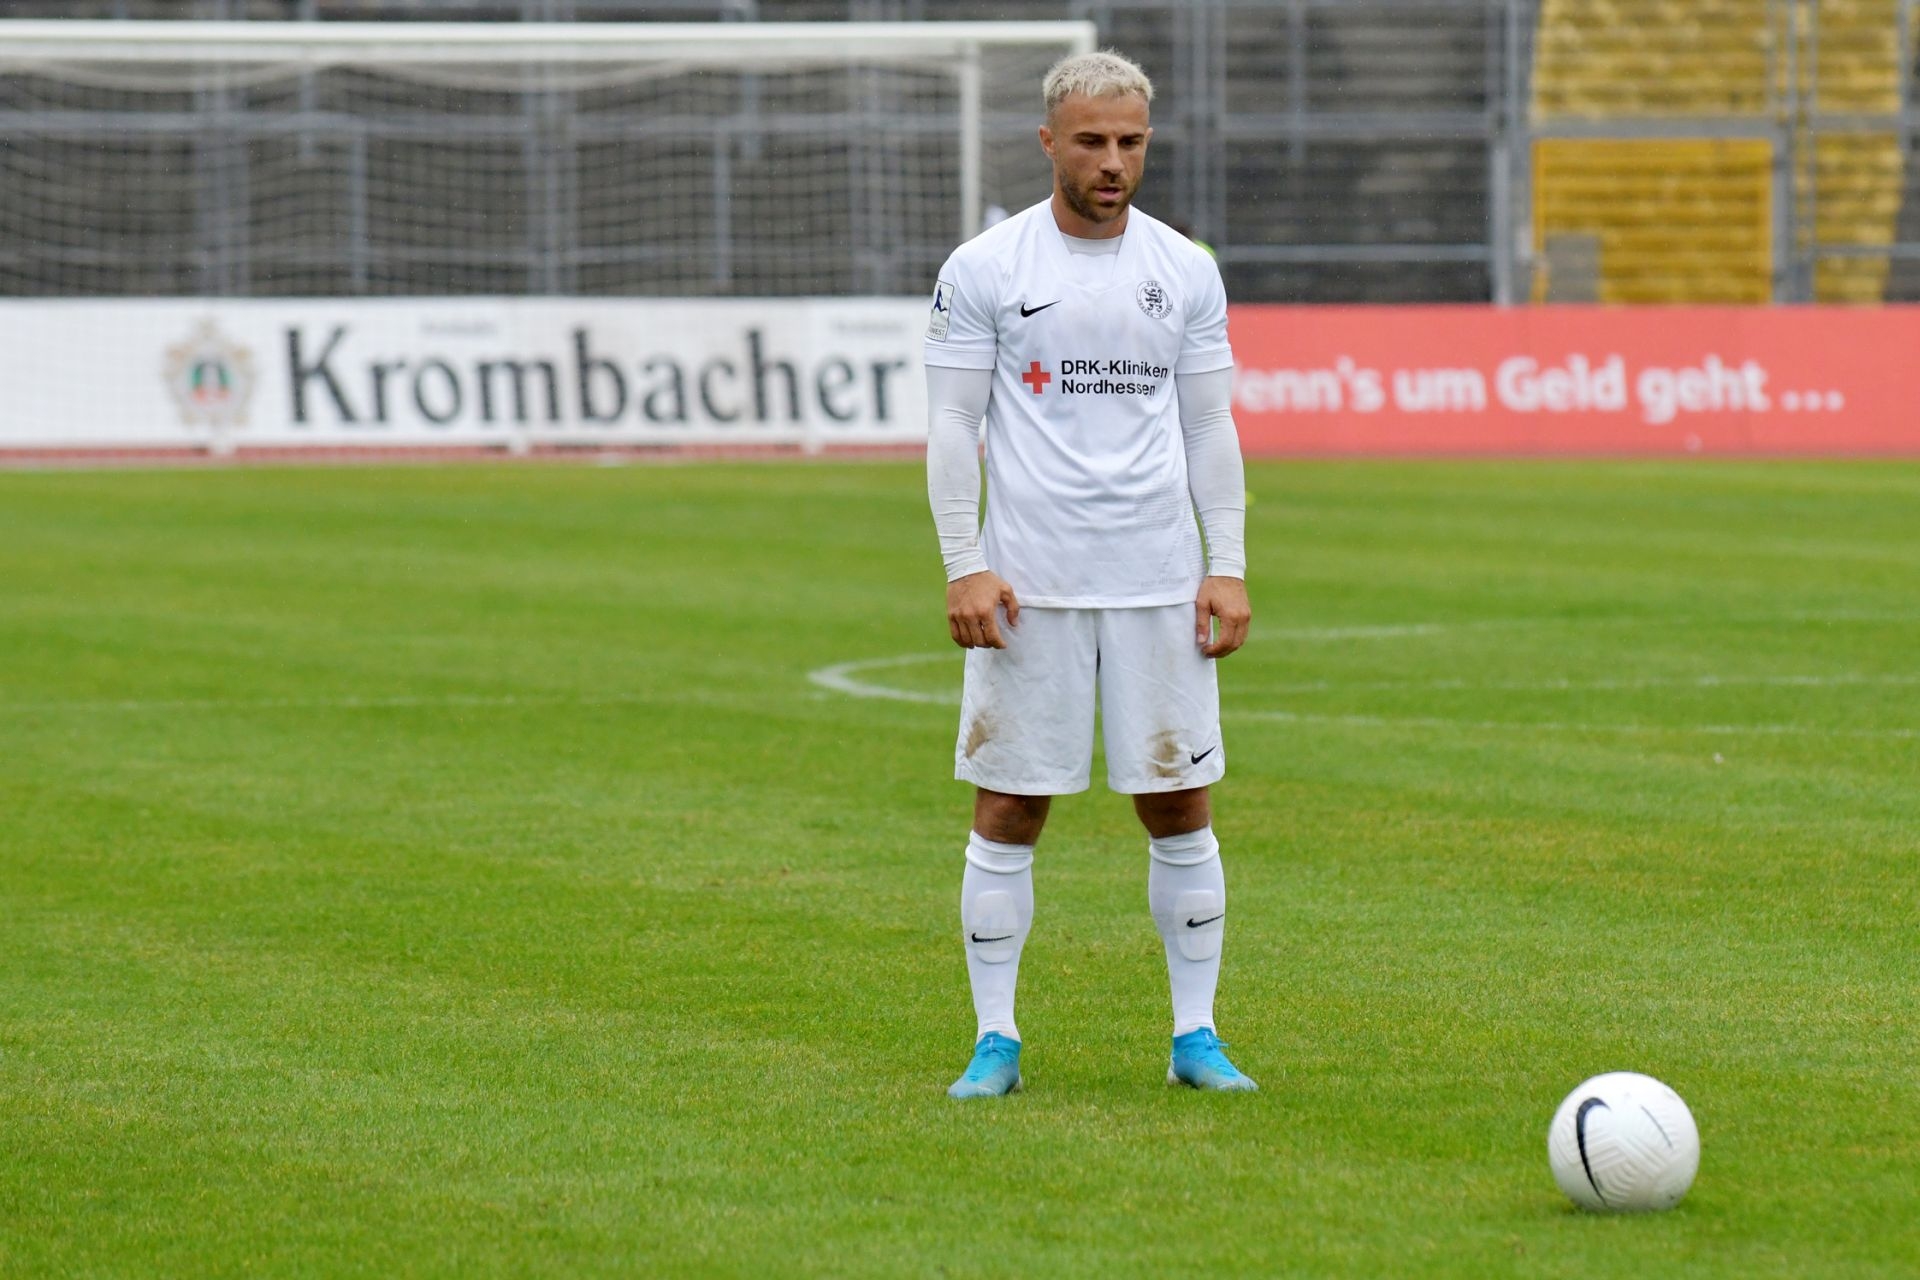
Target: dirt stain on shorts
[(1164, 748)]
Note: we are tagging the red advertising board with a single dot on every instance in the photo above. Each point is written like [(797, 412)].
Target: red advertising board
[(1577, 380)]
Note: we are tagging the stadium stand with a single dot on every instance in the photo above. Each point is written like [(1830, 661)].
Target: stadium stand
[(1364, 131), (1673, 219), (1854, 180), (1601, 58), (1363, 150), (1692, 219), (1903, 277), (1328, 152)]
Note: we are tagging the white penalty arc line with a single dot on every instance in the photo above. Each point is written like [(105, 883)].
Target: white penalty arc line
[(844, 677)]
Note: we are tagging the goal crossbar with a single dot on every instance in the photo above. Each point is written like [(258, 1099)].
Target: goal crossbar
[(26, 41)]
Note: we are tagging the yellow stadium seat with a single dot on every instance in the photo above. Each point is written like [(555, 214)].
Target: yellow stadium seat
[(1692, 220)]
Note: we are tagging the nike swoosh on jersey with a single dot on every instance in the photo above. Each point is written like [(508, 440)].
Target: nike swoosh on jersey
[(1037, 310)]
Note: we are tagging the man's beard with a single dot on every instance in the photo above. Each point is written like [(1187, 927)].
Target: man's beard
[(1078, 202)]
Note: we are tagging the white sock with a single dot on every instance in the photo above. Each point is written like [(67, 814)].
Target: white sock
[(996, 911), (1188, 893)]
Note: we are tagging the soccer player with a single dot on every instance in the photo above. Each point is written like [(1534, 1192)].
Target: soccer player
[(1093, 340)]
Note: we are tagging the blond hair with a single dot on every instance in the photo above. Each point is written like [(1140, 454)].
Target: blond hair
[(1096, 75)]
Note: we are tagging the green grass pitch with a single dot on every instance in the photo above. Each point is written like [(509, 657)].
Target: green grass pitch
[(456, 872)]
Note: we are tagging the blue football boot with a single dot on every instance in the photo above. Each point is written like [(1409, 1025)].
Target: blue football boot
[(1199, 1062), (995, 1069)]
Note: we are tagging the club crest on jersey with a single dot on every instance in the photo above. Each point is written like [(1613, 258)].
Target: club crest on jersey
[(942, 312), (1153, 299)]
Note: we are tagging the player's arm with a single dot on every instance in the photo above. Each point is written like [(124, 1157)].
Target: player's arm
[(1216, 477), (956, 401)]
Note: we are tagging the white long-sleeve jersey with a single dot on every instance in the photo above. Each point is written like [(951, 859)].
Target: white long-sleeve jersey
[(1104, 376)]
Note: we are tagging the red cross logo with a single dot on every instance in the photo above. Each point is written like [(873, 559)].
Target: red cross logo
[(1036, 377)]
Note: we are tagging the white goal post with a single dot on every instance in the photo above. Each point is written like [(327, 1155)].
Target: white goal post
[(517, 232)]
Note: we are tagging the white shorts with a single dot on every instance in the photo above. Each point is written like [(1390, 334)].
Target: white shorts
[(1026, 714)]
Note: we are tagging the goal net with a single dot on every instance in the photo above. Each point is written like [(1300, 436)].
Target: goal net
[(257, 160)]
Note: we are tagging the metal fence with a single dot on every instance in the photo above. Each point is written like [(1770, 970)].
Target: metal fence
[(1363, 150)]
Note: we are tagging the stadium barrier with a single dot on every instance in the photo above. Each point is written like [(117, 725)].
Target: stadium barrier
[(1577, 380), (515, 373), (522, 374)]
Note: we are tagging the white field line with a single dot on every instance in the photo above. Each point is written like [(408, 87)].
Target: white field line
[(1564, 726), (1392, 631), (446, 701), (1564, 686), (844, 678)]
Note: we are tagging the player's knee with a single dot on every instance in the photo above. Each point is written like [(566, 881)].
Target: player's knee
[(1171, 814), (1010, 819)]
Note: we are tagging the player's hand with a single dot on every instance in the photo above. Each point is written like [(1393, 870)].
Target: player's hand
[(972, 605), (1225, 599)]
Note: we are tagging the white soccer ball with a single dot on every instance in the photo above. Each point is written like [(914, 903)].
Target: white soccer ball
[(1623, 1142)]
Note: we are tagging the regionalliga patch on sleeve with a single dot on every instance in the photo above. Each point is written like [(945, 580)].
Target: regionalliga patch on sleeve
[(942, 312)]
